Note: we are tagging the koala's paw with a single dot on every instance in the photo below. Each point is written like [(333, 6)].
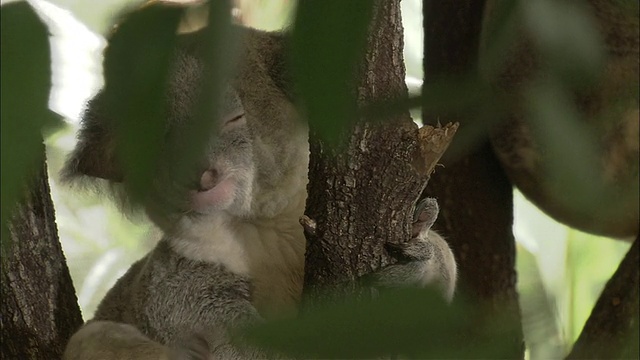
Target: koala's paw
[(424, 260), (424, 216), (194, 347)]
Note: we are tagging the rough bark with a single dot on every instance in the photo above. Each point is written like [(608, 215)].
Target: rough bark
[(39, 307), (362, 195), (612, 330), (475, 196)]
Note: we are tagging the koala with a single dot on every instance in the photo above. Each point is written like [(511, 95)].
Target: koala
[(232, 249), (609, 107)]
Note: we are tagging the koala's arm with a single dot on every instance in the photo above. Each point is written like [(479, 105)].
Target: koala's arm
[(167, 307)]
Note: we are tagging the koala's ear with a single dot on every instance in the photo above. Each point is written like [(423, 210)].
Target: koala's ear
[(273, 50), (278, 64), (262, 51), (94, 154)]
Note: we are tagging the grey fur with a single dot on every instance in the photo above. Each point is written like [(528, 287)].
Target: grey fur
[(424, 260), (231, 262), (173, 300)]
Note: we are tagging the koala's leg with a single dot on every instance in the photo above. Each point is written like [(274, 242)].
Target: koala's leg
[(425, 260), (98, 340)]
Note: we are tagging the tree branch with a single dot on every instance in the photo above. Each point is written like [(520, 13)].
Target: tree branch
[(362, 196), (475, 196), (39, 307)]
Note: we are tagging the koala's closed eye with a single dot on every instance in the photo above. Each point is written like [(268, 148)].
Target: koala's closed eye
[(235, 120)]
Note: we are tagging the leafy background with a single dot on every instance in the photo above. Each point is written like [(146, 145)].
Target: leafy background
[(561, 270)]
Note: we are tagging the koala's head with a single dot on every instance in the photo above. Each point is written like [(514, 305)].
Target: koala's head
[(256, 159)]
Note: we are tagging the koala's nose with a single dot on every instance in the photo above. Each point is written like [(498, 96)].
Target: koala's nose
[(208, 180)]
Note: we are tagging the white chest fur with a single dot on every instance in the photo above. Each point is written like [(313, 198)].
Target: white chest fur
[(275, 250), (269, 251), (211, 240)]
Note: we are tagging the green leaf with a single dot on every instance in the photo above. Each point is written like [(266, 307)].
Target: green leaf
[(539, 317), (412, 323), (329, 39), (568, 38), (136, 67), (220, 53), (499, 34), (569, 144), (26, 81)]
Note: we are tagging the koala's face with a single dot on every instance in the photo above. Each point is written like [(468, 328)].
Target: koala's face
[(226, 180), (224, 177), (255, 160), (257, 157), (220, 180)]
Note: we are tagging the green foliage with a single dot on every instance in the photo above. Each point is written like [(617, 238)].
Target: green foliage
[(540, 319), (572, 52), (411, 323), (499, 33), (553, 116), (219, 57), (329, 39), (567, 39), (591, 261), (137, 69), (561, 273), (26, 79), (136, 73), (469, 97)]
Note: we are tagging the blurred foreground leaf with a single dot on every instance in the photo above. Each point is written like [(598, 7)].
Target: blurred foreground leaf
[(329, 39), (539, 316), (568, 39), (500, 33), (26, 81), (136, 67), (219, 50), (411, 323), (570, 148)]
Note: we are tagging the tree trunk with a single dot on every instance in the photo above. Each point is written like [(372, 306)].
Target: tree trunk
[(362, 195), (39, 307), (475, 196), (612, 330)]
